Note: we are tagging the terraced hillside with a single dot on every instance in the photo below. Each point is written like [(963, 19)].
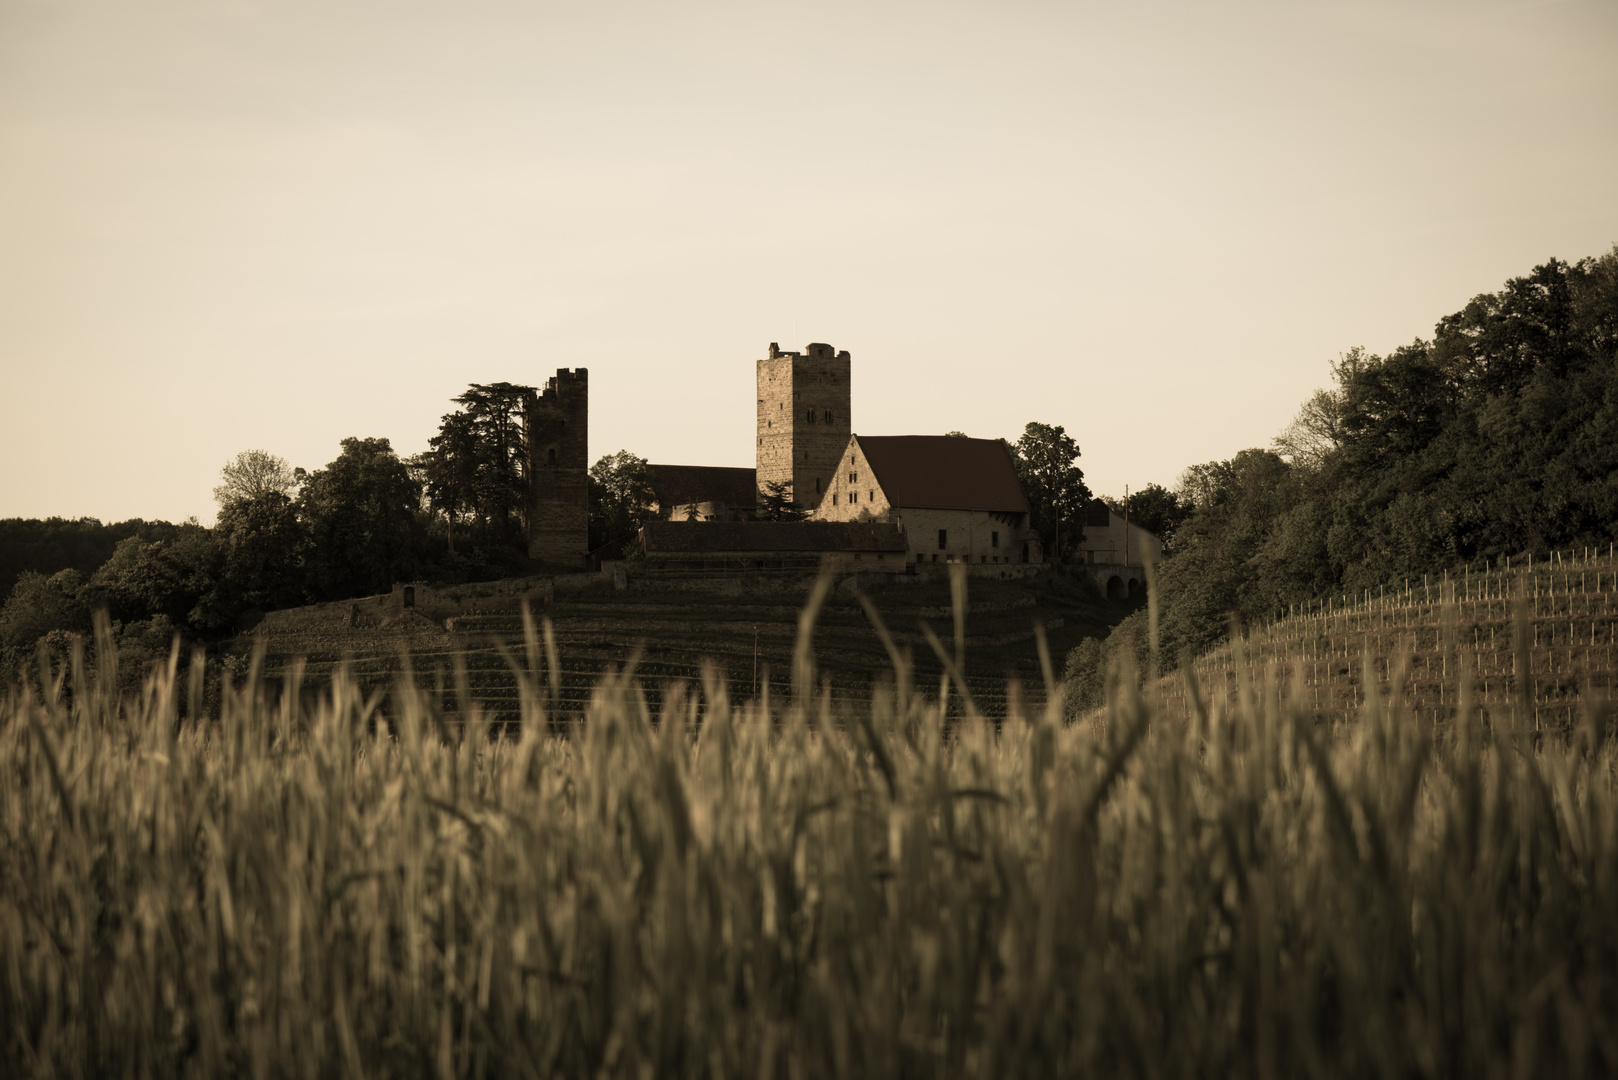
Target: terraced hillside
[(746, 632), (1420, 635)]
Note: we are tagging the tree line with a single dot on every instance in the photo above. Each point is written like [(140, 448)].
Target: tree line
[(1497, 436)]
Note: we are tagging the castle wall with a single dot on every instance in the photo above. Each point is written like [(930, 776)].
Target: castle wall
[(558, 470), (804, 425)]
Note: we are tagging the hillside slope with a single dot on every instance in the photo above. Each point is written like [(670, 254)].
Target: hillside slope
[(747, 633), (1420, 641)]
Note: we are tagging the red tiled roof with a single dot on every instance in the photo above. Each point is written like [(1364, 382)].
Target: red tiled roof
[(678, 485), (695, 537), (944, 472)]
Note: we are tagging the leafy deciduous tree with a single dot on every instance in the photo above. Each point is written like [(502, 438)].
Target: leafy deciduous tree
[(363, 517), (252, 473), (1057, 495), (621, 496)]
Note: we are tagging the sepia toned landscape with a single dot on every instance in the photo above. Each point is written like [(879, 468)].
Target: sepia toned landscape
[(799, 541)]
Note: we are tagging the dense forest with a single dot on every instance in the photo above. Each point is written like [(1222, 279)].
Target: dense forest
[(1496, 437)]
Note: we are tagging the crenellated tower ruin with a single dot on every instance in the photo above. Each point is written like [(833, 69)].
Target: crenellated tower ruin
[(803, 419), (558, 426)]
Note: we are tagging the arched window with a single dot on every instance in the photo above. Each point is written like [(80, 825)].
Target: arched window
[(827, 416), (550, 456), (810, 416)]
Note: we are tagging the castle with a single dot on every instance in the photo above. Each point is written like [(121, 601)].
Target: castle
[(898, 501)]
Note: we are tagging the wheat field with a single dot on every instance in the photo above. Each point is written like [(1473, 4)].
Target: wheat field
[(318, 882)]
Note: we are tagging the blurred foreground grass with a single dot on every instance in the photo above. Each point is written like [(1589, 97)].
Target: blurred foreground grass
[(320, 884)]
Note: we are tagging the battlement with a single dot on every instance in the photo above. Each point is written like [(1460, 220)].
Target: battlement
[(814, 351), (566, 380)]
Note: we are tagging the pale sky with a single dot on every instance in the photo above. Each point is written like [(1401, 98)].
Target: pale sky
[(273, 225)]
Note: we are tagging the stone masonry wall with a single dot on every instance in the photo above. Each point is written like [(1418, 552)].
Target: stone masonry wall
[(972, 536), (803, 418), (558, 457), (852, 493)]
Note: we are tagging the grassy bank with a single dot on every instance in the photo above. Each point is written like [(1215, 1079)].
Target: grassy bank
[(775, 888)]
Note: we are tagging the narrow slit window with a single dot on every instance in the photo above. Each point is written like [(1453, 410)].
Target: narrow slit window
[(994, 539), (943, 539)]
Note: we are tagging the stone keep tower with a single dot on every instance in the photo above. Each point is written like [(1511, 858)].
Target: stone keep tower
[(558, 463), (803, 419)]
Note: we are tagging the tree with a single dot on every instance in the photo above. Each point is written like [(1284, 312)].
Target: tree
[(775, 502), (175, 578), (263, 546), (252, 473), (448, 471), (38, 605), (621, 497), (362, 513), (1317, 430), (478, 463), (1054, 485), (1156, 509)]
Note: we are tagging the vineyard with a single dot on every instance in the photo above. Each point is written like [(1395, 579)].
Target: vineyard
[(1470, 630), (677, 634)]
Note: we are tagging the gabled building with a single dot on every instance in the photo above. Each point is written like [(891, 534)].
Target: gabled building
[(1116, 551), (1111, 540), (955, 499)]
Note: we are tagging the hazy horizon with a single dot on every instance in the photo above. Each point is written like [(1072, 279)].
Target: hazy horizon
[(244, 225)]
